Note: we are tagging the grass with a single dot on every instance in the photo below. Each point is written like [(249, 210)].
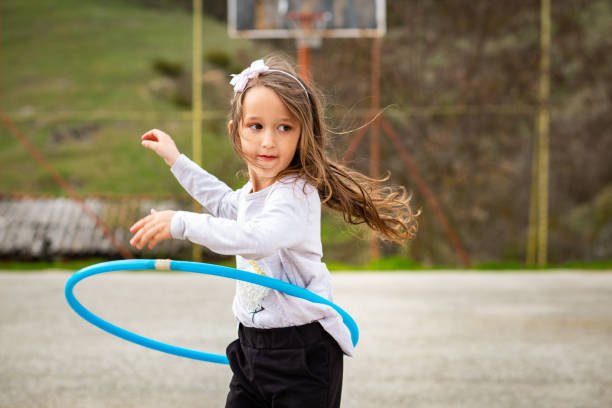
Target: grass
[(72, 264), (84, 56), (35, 266), (393, 263), (63, 61), (402, 264), (600, 264)]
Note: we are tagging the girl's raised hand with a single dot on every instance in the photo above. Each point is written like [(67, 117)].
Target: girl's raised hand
[(162, 144), (152, 229)]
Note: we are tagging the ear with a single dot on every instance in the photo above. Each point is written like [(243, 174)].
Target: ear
[(229, 127)]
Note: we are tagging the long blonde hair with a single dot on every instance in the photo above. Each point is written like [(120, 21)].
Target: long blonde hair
[(360, 199)]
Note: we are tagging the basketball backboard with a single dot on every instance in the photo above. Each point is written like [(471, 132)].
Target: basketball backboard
[(329, 18)]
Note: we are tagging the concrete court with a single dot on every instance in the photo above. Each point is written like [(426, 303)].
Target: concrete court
[(443, 339)]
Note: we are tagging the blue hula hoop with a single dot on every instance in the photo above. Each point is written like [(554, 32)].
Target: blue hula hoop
[(196, 267)]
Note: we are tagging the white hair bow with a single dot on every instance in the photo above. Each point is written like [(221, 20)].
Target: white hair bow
[(239, 81)]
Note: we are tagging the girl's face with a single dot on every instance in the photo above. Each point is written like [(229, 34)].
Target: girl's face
[(269, 135)]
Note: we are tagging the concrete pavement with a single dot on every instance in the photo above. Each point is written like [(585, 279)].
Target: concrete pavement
[(443, 339)]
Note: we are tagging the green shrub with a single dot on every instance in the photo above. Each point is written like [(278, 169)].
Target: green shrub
[(168, 68), (219, 58)]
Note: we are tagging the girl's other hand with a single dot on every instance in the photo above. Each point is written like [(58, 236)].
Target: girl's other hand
[(162, 144), (152, 229)]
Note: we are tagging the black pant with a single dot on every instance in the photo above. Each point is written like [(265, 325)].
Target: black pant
[(293, 367)]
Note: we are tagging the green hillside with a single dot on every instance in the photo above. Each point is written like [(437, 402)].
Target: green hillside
[(78, 78)]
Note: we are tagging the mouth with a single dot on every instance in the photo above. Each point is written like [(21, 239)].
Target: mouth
[(266, 157)]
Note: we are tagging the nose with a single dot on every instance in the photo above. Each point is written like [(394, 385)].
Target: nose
[(267, 141)]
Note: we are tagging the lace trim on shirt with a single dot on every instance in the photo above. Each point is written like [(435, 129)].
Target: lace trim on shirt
[(251, 296)]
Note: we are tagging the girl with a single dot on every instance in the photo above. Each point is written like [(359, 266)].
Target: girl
[(289, 351)]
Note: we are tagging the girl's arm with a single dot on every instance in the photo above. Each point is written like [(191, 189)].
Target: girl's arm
[(219, 199), (216, 196), (282, 224)]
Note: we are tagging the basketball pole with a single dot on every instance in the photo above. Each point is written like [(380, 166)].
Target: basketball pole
[(375, 135), (196, 116), (303, 52), (537, 232), (543, 134)]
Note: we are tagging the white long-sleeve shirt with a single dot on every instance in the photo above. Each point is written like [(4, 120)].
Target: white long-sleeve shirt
[(277, 229)]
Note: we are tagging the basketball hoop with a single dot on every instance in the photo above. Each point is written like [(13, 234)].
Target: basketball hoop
[(258, 19), (308, 26)]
